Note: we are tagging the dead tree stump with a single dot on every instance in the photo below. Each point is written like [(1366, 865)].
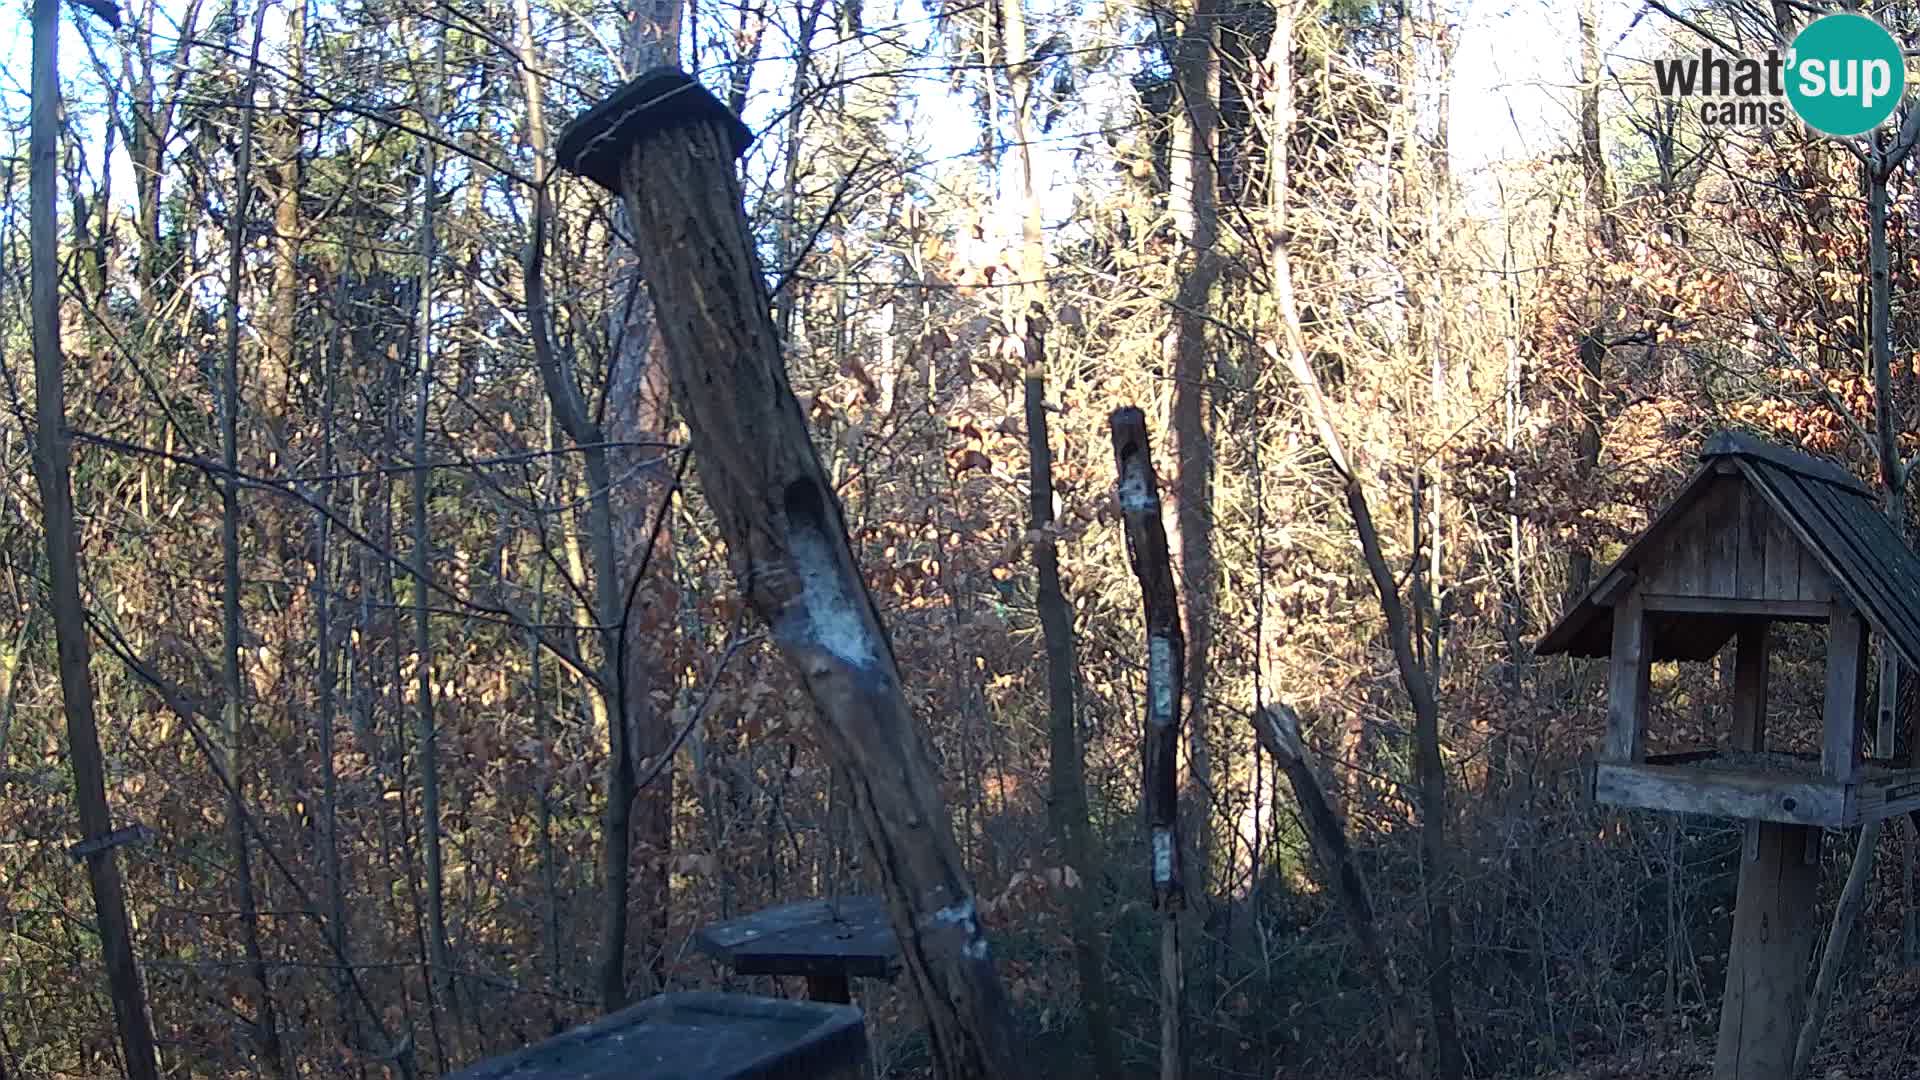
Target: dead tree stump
[(1139, 491), (667, 147)]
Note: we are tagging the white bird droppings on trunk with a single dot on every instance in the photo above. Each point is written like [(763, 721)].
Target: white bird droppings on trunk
[(1160, 677), (835, 617)]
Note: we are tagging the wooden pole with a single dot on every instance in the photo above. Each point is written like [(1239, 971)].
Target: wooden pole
[(667, 147), (1166, 657), (1773, 933)]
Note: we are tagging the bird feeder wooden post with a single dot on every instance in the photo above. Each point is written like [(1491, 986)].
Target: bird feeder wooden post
[(1760, 534), (666, 147)]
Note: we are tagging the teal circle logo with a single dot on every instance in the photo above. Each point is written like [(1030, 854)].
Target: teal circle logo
[(1846, 75)]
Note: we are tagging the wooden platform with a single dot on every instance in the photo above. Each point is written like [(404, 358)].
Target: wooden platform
[(827, 941), (1769, 786), (697, 1036)]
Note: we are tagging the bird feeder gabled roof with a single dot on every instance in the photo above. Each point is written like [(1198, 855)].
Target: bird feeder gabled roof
[(1833, 519)]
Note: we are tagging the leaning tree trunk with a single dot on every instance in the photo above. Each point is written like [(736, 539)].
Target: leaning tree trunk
[(667, 147), (1428, 765), (53, 469), (1278, 730), (1166, 673)]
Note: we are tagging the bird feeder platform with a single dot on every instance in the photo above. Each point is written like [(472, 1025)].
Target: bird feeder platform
[(826, 941), (697, 1036), (1757, 786)]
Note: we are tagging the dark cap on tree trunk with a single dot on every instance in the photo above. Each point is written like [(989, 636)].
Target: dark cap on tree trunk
[(595, 144)]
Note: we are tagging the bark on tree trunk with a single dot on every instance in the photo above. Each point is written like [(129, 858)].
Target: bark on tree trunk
[(1592, 347), (1291, 348), (625, 714), (426, 736), (326, 680), (278, 359), (265, 1023), (1067, 796), (1139, 491), (1196, 218), (668, 147), (634, 412), (552, 378), (53, 469)]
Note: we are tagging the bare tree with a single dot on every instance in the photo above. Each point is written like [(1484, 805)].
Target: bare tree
[(265, 1022), (53, 471)]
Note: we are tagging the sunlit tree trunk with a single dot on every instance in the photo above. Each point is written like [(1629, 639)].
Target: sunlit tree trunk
[(1193, 203), (1288, 344), (426, 733), (53, 470), (1067, 792), (1599, 218), (266, 1023)]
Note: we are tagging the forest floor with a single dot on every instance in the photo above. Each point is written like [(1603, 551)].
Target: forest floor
[(1872, 1036)]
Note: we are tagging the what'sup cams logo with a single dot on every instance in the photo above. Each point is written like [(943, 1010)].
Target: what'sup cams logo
[(1843, 75)]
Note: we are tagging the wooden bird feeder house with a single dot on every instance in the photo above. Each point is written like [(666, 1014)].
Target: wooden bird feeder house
[(1758, 535)]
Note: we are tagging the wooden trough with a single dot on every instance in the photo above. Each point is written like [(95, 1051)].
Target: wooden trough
[(1760, 534), (697, 1036)]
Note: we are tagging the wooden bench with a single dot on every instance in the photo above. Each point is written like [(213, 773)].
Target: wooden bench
[(826, 941), (697, 1036)]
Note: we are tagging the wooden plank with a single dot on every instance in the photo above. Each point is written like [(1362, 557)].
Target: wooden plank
[(1680, 789), (1750, 687), (1720, 536), (1888, 797), (1888, 700), (1846, 693), (1684, 571), (1835, 525), (1629, 673), (1739, 607), (1614, 586), (697, 1036), (1816, 585), (1886, 566), (1773, 936), (1856, 559), (1783, 560), (1752, 544), (131, 834)]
